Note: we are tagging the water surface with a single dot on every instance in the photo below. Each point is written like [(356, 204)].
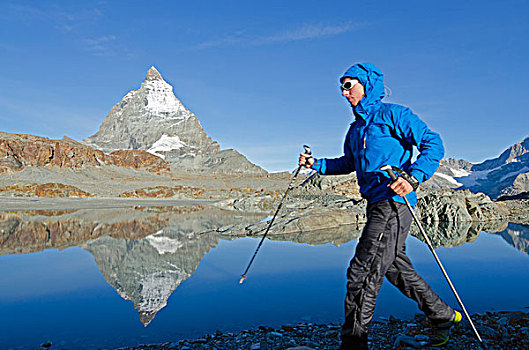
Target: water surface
[(104, 279)]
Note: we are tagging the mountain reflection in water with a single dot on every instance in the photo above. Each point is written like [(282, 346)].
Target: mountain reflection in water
[(517, 235), (146, 253), (148, 270)]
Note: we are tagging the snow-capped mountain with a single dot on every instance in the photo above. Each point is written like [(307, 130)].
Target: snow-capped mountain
[(152, 118), (508, 174)]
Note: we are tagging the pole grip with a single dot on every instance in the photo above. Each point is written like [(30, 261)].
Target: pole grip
[(307, 151), (389, 170)]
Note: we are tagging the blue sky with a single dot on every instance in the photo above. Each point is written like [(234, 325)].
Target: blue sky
[(262, 77)]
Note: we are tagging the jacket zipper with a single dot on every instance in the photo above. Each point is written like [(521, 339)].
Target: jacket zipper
[(360, 149)]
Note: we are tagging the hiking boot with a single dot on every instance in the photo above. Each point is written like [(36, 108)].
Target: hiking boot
[(441, 331), (346, 346), (354, 343)]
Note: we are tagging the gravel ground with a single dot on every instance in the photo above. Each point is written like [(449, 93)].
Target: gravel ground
[(500, 330)]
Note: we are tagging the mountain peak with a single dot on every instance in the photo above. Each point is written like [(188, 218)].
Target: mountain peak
[(153, 74), (153, 119)]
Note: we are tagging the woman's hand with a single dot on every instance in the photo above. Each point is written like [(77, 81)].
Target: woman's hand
[(401, 187), (306, 160)]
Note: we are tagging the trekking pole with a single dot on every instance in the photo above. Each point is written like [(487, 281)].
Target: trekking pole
[(243, 276), (389, 170)]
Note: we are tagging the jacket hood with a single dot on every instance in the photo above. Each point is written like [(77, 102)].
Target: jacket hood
[(372, 79)]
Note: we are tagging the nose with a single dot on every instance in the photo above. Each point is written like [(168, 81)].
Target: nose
[(345, 93)]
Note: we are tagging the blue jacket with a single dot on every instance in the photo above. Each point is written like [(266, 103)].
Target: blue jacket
[(383, 133)]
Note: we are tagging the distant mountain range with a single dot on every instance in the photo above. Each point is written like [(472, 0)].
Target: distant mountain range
[(505, 175)]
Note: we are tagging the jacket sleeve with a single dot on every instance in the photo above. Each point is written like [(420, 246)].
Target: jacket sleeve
[(334, 166), (413, 130)]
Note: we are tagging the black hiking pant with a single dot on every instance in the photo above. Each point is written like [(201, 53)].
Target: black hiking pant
[(381, 252)]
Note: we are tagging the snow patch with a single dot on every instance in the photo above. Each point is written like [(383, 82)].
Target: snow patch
[(449, 178), (164, 244), (165, 144), (160, 99), (460, 172), (472, 179)]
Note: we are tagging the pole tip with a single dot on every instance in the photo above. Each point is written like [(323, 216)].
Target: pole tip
[(243, 277)]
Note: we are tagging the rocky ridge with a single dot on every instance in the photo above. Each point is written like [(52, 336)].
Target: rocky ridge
[(75, 169), (325, 193), (450, 217), (21, 151)]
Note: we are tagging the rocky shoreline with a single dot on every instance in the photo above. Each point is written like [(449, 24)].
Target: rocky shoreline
[(499, 330)]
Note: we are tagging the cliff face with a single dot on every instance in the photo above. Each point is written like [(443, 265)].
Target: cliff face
[(20, 151)]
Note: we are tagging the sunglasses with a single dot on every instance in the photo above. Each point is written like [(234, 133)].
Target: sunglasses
[(348, 85)]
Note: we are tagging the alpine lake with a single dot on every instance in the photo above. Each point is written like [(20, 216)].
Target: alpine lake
[(115, 277)]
